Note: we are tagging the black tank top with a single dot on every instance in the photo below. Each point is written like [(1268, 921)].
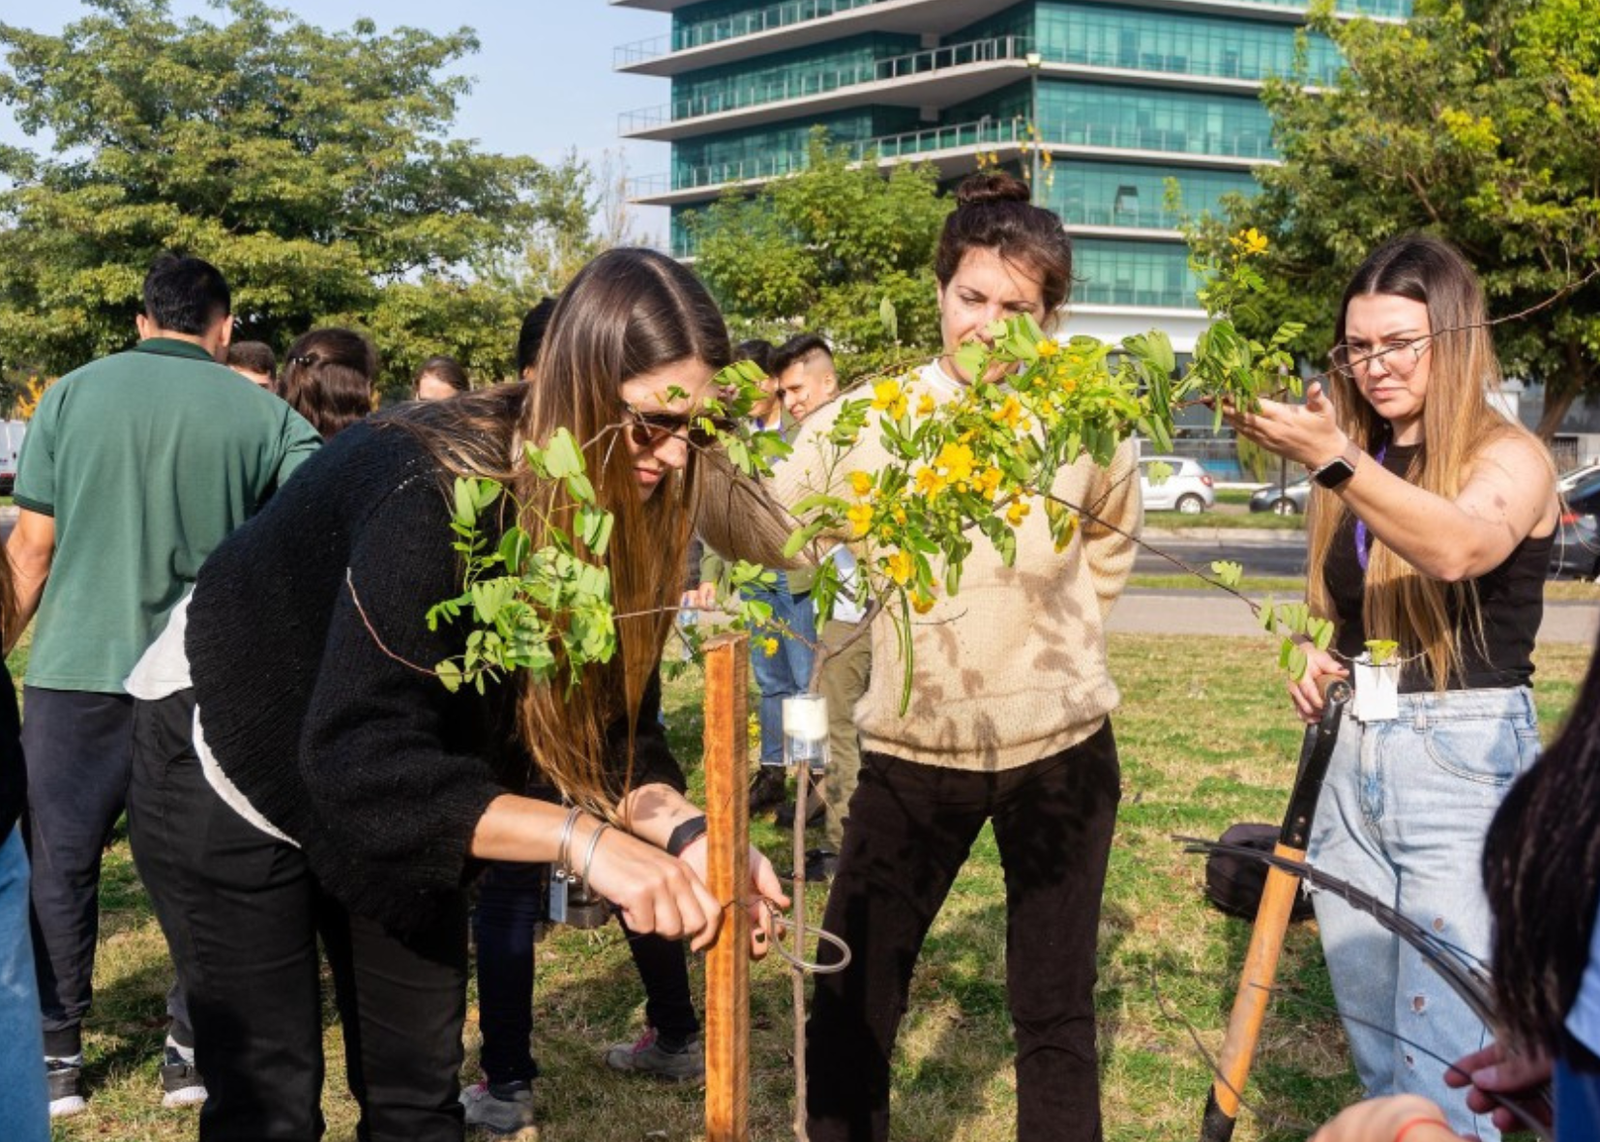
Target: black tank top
[(1510, 599)]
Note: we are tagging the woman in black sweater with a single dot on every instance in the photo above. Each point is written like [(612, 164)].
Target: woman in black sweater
[(313, 781)]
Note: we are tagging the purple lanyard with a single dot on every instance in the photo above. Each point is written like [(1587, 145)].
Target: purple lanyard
[(1361, 525)]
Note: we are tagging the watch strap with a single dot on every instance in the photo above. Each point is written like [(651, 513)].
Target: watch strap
[(686, 834)]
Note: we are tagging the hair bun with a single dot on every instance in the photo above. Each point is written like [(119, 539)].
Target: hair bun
[(994, 186)]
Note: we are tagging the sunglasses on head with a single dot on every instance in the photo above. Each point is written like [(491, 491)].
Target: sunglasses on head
[(649, 429)]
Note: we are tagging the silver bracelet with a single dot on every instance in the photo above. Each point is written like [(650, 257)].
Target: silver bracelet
[(564, 846), (588, 856)]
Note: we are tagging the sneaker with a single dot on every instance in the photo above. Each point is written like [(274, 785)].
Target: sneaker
[(647, 1057), (66, 1086), (821, 864), (181, 1084), (767, 787), (504, 1108)]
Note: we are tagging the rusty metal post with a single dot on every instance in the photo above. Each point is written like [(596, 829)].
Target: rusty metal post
[(727, 1029)]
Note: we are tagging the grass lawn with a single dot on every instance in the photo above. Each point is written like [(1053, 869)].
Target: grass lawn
[(1206, 740), (1254, 521)]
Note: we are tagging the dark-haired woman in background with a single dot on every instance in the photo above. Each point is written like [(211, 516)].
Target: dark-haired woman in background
[(439, 378), (1431, 526), (1027, 745), (327, 378)]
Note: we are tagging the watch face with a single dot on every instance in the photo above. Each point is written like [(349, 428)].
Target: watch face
[(1334, 472)]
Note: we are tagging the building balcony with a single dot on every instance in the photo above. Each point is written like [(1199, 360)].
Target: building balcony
[(954, 150), (935, 77), (790, 24)]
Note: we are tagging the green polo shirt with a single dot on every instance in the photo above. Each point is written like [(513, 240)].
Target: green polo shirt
[(147, 460)]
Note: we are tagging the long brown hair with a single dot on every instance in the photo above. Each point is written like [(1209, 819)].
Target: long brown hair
[(1400, 603), (627, 313), (327, 378)]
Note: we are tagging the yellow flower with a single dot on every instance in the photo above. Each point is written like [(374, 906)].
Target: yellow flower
[(888, 397), (1048, 348), (929, 482), (860, 483), (1009, 413), (900, 567), (1251, 242), (1017, 512), (921, 603), (860, 517), (988, 481), (925, 406), (899, 515), (769, 647), (956, 460)]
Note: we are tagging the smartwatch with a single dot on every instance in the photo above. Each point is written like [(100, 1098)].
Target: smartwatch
[(1337, 471)]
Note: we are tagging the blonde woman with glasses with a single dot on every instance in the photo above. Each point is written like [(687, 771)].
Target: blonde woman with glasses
[(1431, 525)]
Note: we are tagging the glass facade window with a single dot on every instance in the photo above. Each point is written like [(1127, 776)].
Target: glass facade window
[(1113, 272), (1133, 195), (778, 149), (700, 24), (1126, 118)]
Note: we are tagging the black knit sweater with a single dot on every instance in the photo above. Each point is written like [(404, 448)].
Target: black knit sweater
[(377, 771)]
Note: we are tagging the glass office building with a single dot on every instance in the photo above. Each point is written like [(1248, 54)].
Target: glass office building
[(1123, 97)]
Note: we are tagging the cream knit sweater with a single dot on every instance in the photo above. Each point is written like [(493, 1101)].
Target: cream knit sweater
[(1013, 668)]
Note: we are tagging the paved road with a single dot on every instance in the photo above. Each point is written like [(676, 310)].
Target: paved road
[(1212, 612), (1260, 552)]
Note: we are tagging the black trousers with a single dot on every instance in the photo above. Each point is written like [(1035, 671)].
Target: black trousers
[(911, 828), (78, 748), (511, 901), (242, 913)]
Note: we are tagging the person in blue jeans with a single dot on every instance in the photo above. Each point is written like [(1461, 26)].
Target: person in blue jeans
[(1541, 872), (24, 1098), (1431, 524)]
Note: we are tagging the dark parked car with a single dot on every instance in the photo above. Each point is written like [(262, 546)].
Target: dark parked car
[(1577, 548), (1287, 499)]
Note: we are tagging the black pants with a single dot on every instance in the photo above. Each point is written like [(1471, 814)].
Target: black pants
[(911, 828), (78, 747), (242, 913), (510, 902)]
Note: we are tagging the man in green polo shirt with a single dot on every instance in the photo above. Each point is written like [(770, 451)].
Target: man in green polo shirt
[(134, 469)]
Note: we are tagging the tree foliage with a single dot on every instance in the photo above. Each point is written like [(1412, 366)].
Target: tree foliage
[(824, 249), (313, 168), (1477, 121)]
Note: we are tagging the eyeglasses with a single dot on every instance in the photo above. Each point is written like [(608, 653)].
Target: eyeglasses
[(652, 429), (1400, 358)]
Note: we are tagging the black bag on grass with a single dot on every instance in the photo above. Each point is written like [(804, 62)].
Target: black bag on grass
[(1234, 883)]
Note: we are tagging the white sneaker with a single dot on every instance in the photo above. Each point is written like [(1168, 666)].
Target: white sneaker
[(504, 1108)]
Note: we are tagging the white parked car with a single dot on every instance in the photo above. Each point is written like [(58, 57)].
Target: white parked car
[(1186, 489)]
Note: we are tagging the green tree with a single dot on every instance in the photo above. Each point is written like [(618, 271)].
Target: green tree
[(823, 250), (1476, 121), (313, 168)]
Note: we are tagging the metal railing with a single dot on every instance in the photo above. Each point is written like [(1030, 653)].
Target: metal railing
[(821, 82), (686, 37), (978, 134)]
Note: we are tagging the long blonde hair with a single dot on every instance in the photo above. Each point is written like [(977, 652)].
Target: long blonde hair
[(627, 313), (1425, 616)]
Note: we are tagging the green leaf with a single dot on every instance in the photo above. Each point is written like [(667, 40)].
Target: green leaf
[(449, 674), (1228, 572), (562, 456)]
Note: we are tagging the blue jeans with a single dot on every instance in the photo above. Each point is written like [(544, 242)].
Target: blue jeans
[(788, 672), (24, 1114), (1402, 815)]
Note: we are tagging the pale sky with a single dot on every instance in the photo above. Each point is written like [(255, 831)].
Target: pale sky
[(544, 81)]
